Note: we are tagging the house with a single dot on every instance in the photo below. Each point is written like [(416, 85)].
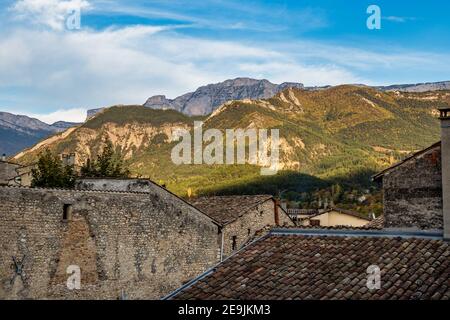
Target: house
[(140, 242), (335, 217), (416, 191), (240, 217), (14, 174)]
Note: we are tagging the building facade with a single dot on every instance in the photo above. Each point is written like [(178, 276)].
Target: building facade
[(14, 174), (130, 245)]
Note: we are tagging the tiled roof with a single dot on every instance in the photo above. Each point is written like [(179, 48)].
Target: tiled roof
[(300, 266), (226, 209), (377, 223)]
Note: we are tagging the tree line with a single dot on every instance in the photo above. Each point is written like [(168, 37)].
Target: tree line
[(51, 172)]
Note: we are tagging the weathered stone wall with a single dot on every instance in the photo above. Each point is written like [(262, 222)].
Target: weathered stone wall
[(135, 185), (7, 172), (137, 245), (250, 222), (413, 193)]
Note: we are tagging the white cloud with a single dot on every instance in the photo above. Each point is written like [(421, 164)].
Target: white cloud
[(399, 19), (51, 13), (124, 66), (69, 115), (52, 69)]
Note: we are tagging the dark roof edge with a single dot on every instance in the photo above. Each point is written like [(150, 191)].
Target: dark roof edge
[(211, 270), (12, 163), (285, 212), (418, 153), (386, 233)]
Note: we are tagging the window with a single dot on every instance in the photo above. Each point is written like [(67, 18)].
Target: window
[(314, 222), (67, 212), (234, 244)]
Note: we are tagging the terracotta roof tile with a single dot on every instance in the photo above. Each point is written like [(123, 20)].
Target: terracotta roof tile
[(299, 266), (225, 209), (377, 223)]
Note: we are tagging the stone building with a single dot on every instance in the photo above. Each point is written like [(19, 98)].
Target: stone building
[(126, 244), (335, 217), (14, 174), (416, 191), (241, 217)]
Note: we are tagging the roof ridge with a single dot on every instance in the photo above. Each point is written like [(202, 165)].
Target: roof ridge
[(412, 156), (77, 190), (375, 233)]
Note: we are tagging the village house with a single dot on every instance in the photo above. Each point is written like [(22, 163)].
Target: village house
[(139, 243), (14, 174), (335, 217), (410, 259), (241, 217), (416, 191)]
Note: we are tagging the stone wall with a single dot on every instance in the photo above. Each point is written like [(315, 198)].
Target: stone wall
[(108, 184), (413, 192), (252, 221), (7, 172), (134, 245)]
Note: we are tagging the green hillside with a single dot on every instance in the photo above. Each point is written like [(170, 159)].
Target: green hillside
[(341, 135)]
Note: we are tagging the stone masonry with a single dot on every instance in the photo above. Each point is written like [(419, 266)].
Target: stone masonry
[(127, 244), (250, 223), (412, 191)]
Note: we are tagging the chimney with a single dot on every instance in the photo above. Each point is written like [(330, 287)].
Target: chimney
[(277, 216), (445, 156), (3, 157)]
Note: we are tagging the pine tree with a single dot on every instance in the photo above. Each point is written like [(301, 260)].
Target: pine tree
[(109, 164), (50, 172)]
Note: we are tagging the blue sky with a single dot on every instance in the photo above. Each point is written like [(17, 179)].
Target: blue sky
[(126, 51)]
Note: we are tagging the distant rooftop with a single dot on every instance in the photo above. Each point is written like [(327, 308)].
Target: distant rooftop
[(226, 209)]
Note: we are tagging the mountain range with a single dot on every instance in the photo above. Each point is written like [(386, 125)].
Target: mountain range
[(418, 87), (18, 132), (207, 99), (342, 133)]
